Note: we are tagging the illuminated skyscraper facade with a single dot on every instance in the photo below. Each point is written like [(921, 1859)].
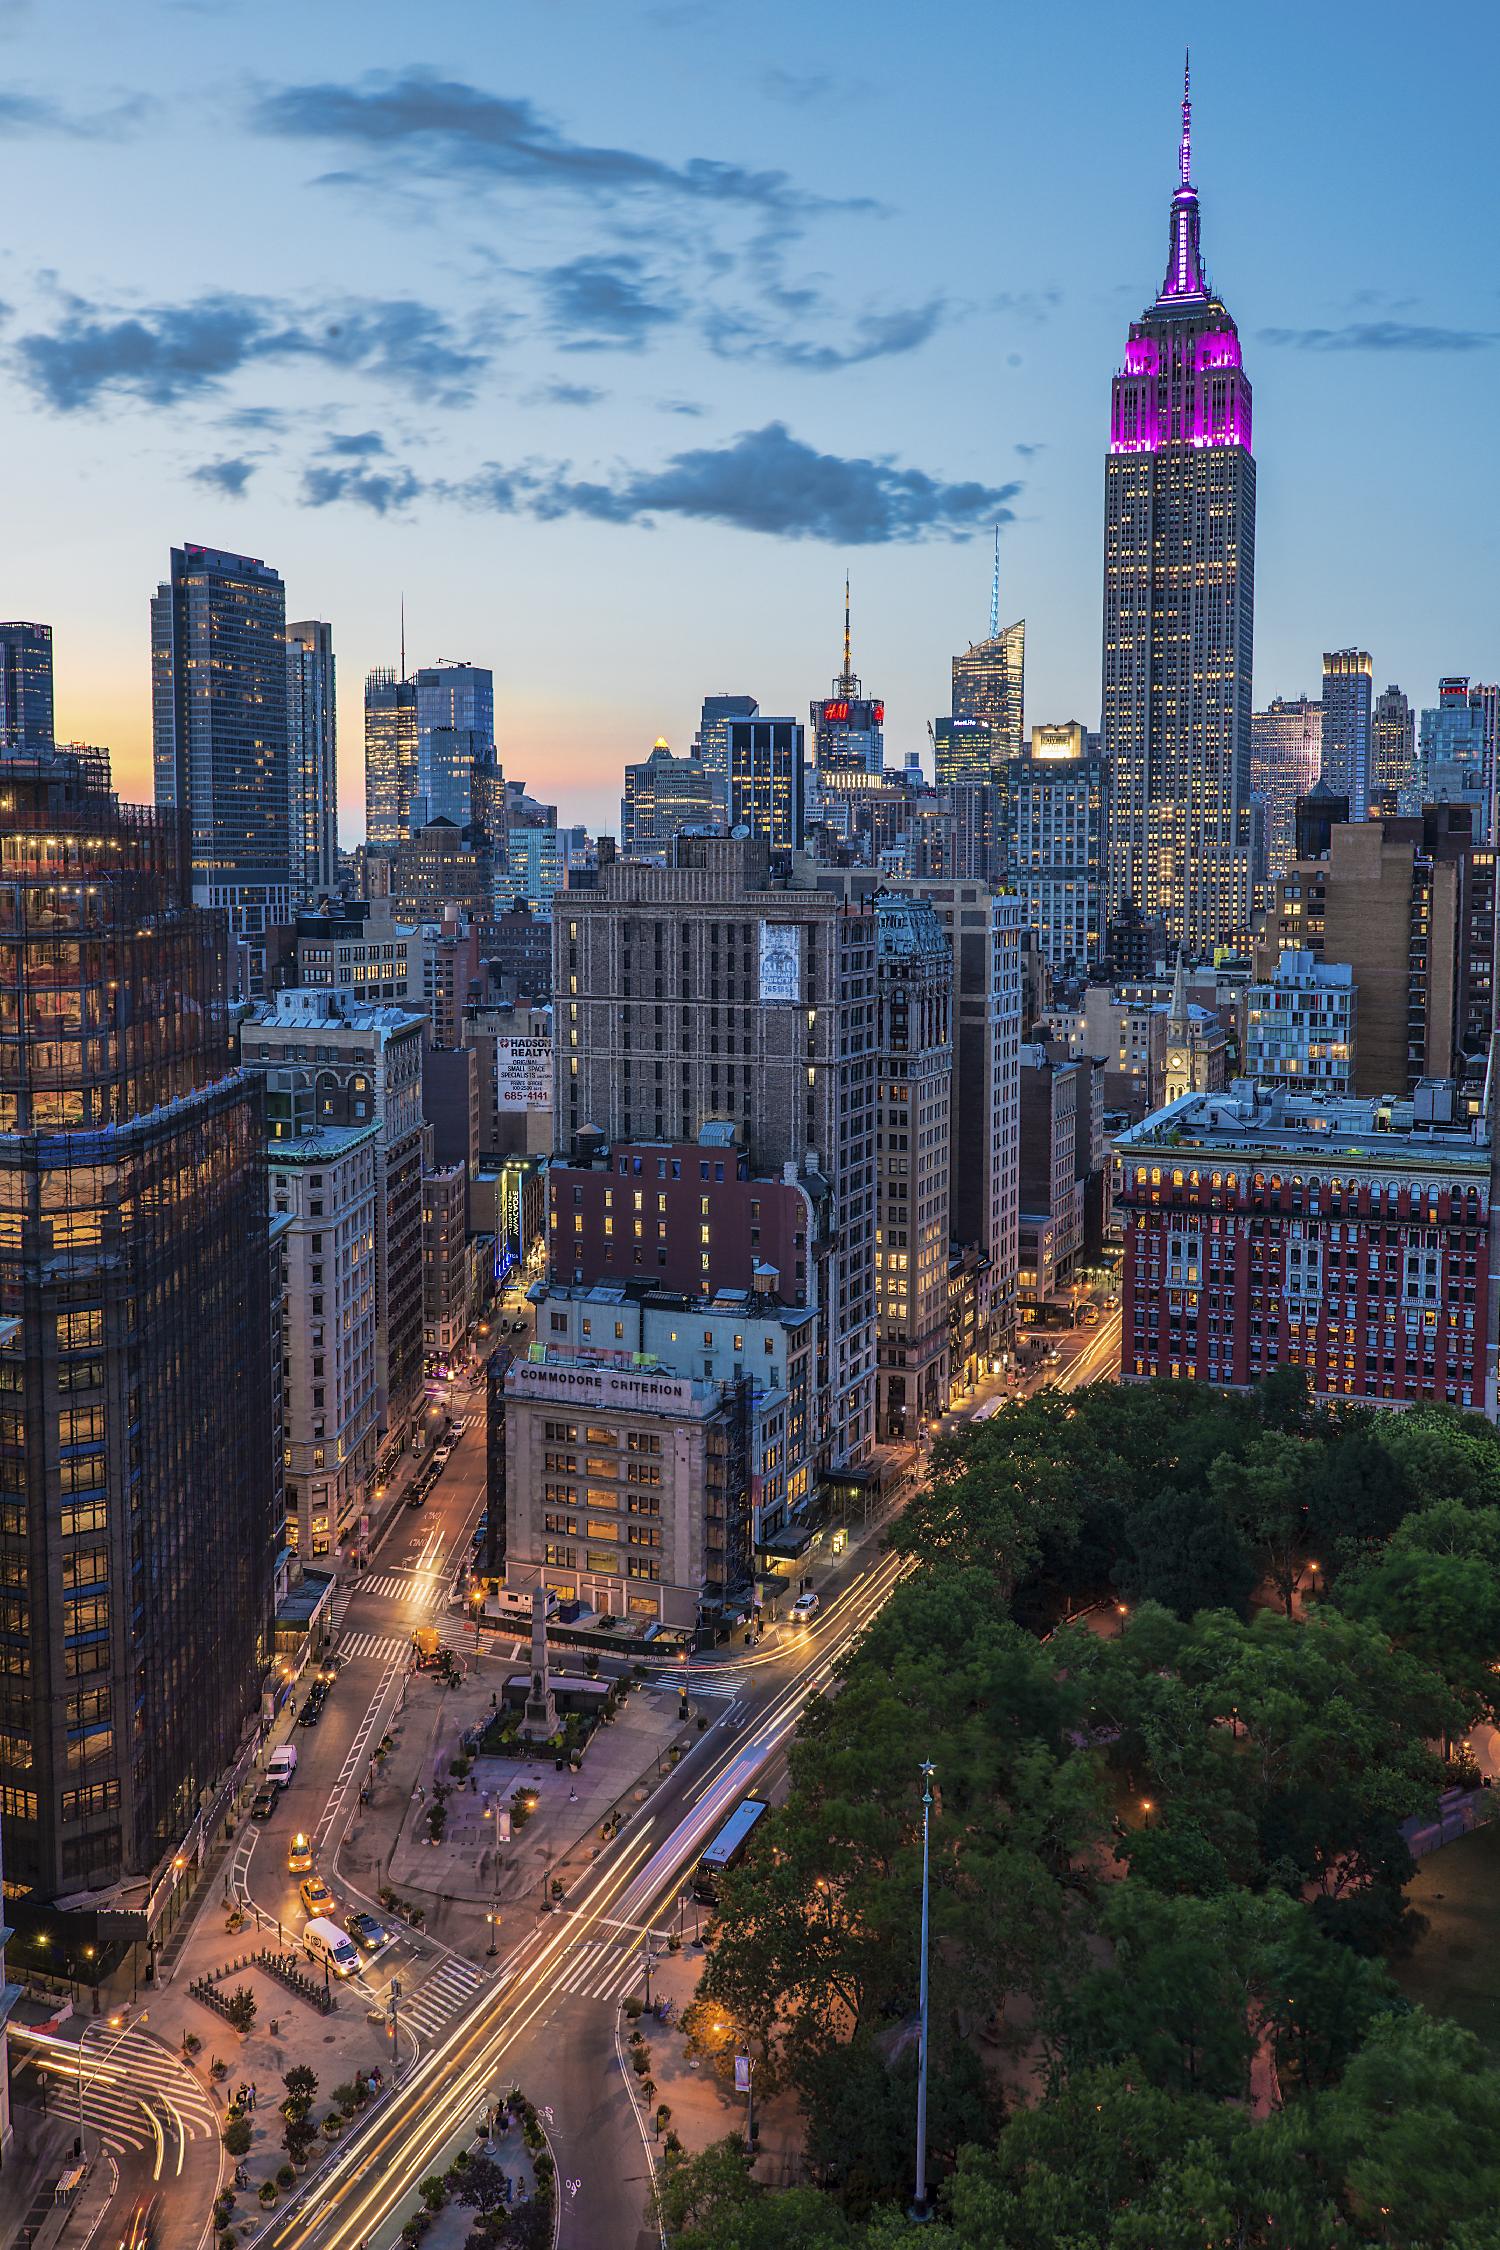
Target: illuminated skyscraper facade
[(1348, 678), (219, 730), (25, 688), (763, 783), (140, 1485), (1393, 753), (455, 732), (312, 757), (1179, 603), (1286, 758), (390, 758), (989, 685)]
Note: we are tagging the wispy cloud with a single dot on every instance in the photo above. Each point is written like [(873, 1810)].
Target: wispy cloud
[(379, 490), (448, 128), (228, 477), (357, 445), (34, 113), (867, 336), (564, 394), (798, 89), (1383, 336), (767, 481), (166, 353), (598, 303)]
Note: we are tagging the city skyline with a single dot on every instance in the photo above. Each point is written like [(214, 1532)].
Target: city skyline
[(481, 308)]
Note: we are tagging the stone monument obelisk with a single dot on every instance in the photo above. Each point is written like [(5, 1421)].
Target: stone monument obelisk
[(539, 1723)]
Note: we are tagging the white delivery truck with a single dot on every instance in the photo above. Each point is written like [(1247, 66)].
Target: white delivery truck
[(325, 1941)]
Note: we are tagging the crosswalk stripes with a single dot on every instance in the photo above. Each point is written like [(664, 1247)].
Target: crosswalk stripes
[(440, 1996), (417, 1589), (382, 1647), (119, 2082), (603, 1971)]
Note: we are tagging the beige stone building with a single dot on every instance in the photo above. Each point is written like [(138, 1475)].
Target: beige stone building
[(627, 1488)]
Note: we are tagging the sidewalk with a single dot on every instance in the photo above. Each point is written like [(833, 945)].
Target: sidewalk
[(456, 1881), (703, 2108)]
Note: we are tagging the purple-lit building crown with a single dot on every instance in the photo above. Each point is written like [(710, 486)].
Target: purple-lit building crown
[(1183, 380), (1179, 602)]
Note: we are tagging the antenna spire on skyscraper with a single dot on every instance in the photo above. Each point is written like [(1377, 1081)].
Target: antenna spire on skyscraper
[(995, 591), (403, 636), (1185, 149), (848, 673)]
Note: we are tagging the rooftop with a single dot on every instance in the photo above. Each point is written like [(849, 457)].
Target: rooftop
[(301, 1008), (320, 1147), (1385, 1130)]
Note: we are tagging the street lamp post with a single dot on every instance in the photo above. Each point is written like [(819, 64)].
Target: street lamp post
[(919, 2210)]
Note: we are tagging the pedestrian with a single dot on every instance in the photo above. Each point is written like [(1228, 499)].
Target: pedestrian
[(254, 2095), (572, 1796)]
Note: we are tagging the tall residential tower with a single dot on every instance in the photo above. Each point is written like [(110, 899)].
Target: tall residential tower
[(312, 757), (1348, 678), (219, 731), (1179, 602)]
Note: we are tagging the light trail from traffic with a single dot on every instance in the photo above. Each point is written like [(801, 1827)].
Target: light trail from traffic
[(373, 2177)]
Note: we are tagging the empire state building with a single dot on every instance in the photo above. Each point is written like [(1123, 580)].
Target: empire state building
[(1179, 602)]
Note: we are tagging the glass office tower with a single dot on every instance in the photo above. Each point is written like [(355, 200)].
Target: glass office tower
[(25, 688), (219, 730), (138, 1486), (390, 758)]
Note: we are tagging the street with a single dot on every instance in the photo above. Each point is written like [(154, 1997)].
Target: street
[(549, 2020)]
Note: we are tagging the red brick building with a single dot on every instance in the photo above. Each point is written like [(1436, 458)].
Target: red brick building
[(682, 1215), (1350, 1238)]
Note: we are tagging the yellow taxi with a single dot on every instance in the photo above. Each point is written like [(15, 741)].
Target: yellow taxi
[(316, 1896), (299, 1855)]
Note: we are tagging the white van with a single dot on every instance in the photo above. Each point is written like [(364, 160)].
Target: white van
[(325, 1941), (281, 1765)]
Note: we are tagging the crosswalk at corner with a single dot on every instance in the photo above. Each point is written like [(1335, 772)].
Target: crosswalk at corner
[(121, 2081), (417, 1589), (438, 1998), (382, 1647)]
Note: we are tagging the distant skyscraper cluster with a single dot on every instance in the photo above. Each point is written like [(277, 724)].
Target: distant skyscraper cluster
[(800, 1110)]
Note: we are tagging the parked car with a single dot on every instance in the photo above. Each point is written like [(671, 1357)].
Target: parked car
[(316, 1896), (805, 1608), (443, 1452), (264, 1803), (417, 1497), (368, 1934)]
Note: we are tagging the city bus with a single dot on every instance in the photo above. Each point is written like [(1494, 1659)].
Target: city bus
[(727, 1848)]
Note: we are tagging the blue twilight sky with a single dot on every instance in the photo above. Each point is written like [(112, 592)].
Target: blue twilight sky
[(611, 331)]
